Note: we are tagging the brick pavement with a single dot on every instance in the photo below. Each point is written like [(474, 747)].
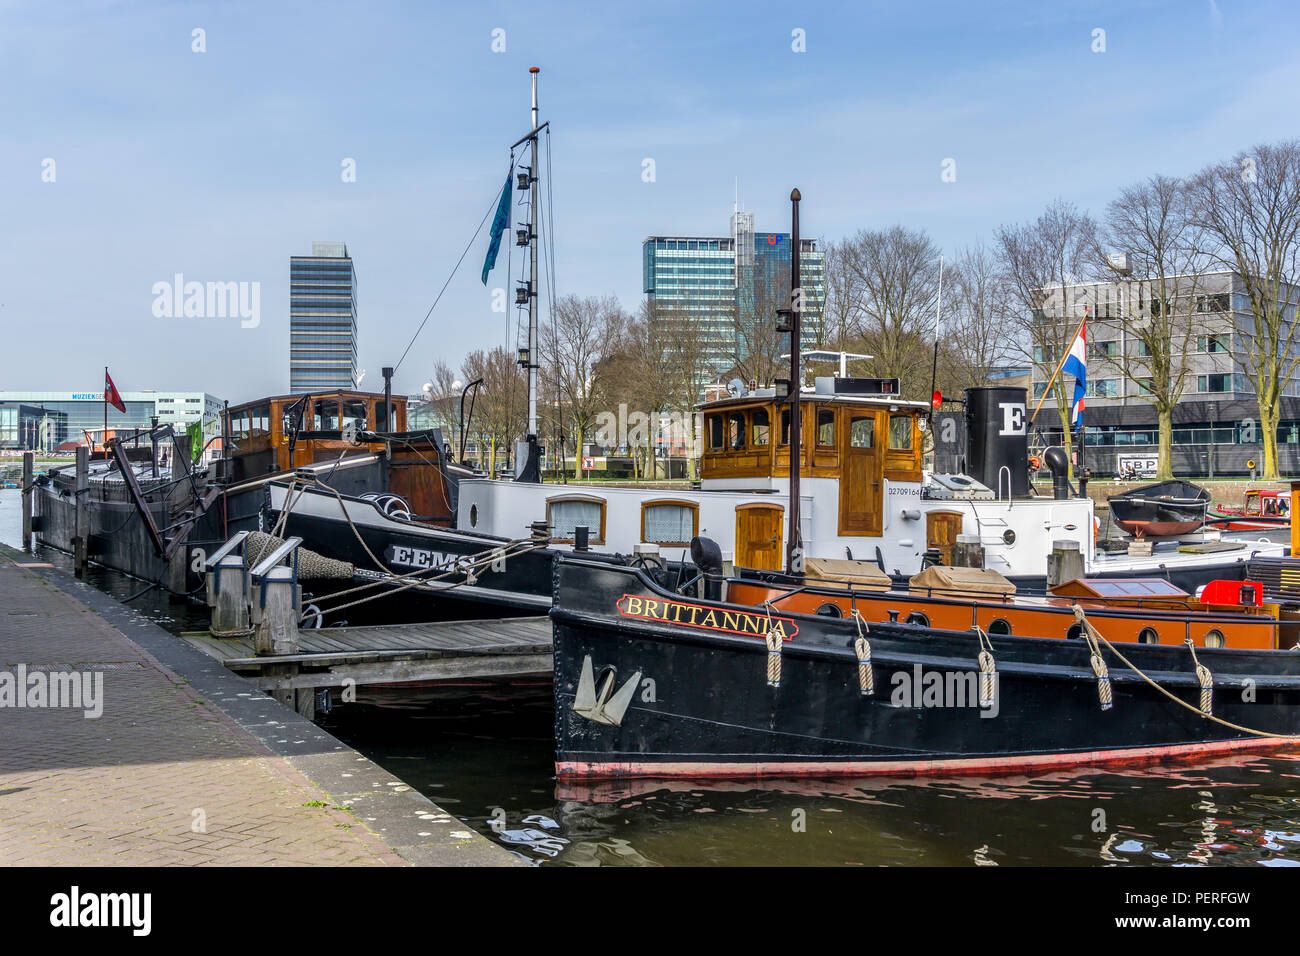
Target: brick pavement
[(167, 777)]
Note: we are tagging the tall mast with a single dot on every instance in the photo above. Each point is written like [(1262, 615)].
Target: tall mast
[(532, 281), (794, 544)]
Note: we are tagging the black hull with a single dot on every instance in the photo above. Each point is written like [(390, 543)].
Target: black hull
[(708, 710)]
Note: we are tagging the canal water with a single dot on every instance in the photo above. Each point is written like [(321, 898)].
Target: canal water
[(488, 762)]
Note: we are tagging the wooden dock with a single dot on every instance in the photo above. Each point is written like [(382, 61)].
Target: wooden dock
[(390, 654)]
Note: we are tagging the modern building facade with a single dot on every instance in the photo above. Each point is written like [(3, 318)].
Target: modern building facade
[(722, 284), (1216, 429), (322, 319), (44, 420)]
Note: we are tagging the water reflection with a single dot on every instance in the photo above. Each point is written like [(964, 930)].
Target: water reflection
[(495, 757)]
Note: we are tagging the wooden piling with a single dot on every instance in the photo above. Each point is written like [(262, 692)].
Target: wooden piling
[(29, 462), (230, 596), (81, 540), (277, 626)]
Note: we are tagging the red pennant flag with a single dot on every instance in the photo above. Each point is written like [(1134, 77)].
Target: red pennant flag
[(110, 393)]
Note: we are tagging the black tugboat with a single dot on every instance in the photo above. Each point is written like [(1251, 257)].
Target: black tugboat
[(1161, 510), (655, 683)]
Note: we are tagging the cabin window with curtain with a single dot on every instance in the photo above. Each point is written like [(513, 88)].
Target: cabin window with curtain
[(260, 425), (669, 522), (565, 514), (713, 425), (900, 432), (760, 428), (826, 427), (862, 432)]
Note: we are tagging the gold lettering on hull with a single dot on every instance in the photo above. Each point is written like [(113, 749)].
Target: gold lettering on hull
[(744, 623)]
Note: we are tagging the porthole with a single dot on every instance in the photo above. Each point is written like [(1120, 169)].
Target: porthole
[(1000, 626), (1075, 632), (917, 618), (1148, 635), (829, 610), (1008, 537), (473, 516), (1214, 638)]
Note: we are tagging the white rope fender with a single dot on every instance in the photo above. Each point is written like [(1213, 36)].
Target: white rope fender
[(862, 650), (773, 651), (1097, 635), (988, 669), (1104, 691), (1205, 679)]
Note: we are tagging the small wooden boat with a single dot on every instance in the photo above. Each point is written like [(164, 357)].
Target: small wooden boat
[(1161, 510)]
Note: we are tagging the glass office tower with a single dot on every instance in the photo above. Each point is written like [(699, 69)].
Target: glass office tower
[(322, 319), (721, 284)]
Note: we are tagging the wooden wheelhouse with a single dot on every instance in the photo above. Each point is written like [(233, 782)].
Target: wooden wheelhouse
[(260, 430), (857, 441), (278, 434)]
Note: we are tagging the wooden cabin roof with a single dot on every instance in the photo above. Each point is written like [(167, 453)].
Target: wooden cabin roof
[(323, 393)]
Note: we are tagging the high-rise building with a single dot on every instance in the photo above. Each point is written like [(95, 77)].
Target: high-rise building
[(322, 319), (728, 286)]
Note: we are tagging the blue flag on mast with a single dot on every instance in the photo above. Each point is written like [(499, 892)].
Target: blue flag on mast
[(499, 225)]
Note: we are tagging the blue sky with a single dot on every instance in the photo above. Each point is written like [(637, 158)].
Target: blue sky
[(220, 165)]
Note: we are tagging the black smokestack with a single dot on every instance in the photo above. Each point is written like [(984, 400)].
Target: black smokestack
[(997, 437)]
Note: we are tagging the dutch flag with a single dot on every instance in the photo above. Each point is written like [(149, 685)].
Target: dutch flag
[(1076, 364)]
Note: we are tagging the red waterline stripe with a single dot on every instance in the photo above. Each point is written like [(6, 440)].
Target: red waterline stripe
[(979, 766)]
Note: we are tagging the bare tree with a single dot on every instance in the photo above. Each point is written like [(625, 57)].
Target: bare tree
[(686, 367), (1043, 261), (499, 411), (1161, 304), (843, 296), (896, 275), (573, 344), (979, 334), (1251, 205)]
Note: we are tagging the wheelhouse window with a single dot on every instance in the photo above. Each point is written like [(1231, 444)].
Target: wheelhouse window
[(260, 422), (354, 412), (785, 426), (713, 425), (900, 432), (862, 431), (326, 418), (760, 428), (670, 522), (565, 514), (826, 427), (736, 431)]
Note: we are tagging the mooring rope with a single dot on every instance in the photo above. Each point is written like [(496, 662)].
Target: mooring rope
[(988, 668), (773, 639), (1088, 627), (1205, 679), (862, 650)]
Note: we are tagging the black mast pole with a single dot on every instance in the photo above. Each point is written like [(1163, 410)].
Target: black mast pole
[(794, 543)]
